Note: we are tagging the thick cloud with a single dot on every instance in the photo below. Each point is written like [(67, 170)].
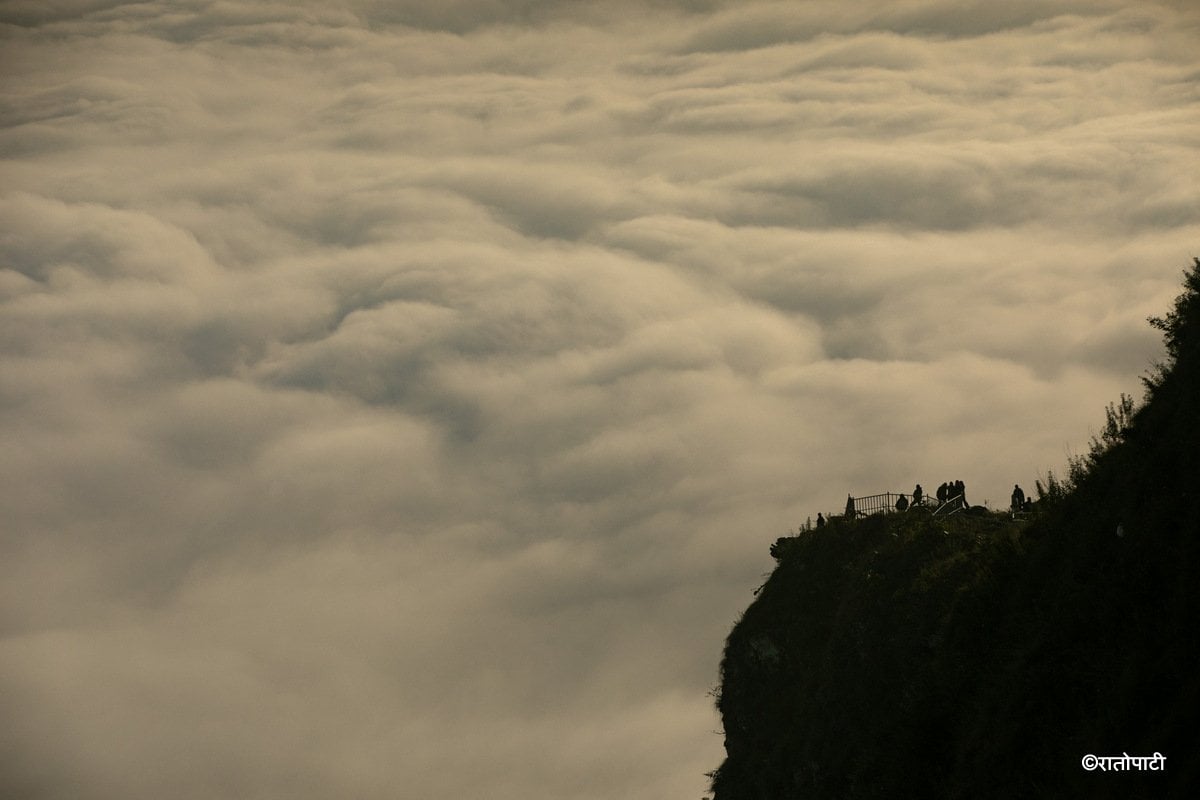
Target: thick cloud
[(401, 397)]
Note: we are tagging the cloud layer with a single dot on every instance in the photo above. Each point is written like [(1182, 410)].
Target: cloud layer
[(401, 401)]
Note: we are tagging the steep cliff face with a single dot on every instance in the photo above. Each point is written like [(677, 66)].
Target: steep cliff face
[(974, 656)]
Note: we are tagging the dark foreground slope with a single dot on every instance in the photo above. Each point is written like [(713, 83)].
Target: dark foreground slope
[(911, 656)]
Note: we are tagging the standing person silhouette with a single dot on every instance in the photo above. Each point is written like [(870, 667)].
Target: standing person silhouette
[(1018, 498)]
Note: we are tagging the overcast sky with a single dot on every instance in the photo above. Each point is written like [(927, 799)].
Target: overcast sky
[(398, 399)]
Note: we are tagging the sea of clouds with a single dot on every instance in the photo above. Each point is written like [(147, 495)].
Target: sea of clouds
[(398, 399)]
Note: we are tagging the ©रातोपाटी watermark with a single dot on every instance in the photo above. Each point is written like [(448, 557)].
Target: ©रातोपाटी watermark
[(1124, 762)]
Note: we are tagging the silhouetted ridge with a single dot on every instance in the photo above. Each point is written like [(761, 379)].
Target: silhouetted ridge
[(977, 656)]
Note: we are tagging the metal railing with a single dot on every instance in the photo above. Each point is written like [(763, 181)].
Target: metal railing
[(885, 503), (877, 504)]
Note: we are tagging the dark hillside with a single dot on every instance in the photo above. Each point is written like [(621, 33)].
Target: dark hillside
[(974, 656)]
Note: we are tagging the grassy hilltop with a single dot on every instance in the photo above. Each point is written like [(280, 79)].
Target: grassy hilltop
[(975, 656)]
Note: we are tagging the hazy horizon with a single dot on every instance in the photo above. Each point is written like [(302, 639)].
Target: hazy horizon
[(401, 401)]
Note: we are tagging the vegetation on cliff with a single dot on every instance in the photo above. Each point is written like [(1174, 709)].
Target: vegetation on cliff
[(974, 655)]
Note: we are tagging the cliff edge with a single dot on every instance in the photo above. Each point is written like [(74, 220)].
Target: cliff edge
[(974, 655)]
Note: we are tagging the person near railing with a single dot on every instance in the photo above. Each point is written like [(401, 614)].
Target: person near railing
[(918, 496), (902, 503)]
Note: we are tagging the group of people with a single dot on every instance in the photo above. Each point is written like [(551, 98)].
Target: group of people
[(948, 492), (952, 492)]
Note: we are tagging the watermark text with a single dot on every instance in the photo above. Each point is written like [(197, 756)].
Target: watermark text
[(1124, 762)]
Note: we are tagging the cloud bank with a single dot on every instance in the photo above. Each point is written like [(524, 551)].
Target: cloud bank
[(400, 399)]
